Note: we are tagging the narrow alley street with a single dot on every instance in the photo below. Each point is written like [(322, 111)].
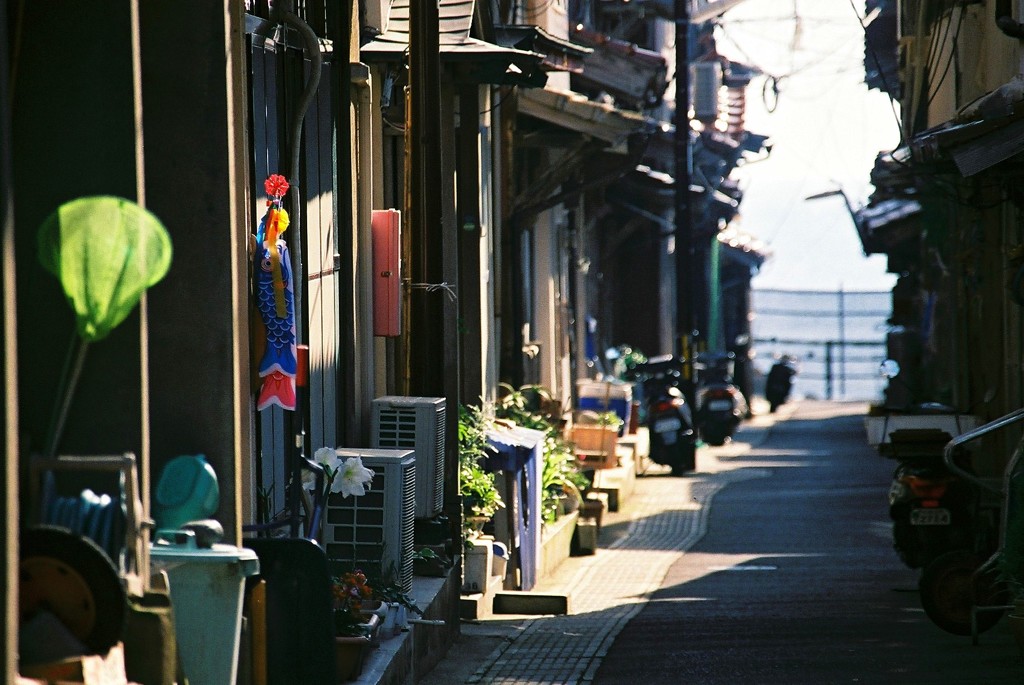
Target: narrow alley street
[(788, 576)]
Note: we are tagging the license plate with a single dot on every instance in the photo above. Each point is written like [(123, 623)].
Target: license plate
[(930, 517), (667, 425), (720, 405)]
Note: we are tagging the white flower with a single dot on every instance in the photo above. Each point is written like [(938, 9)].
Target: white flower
[(355, 478), (328, 458)]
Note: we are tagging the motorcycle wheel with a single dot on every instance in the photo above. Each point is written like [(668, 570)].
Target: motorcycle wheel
[(715, 438), (686, 460), (949, 591)]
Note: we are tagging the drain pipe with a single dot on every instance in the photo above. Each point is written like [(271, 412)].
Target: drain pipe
[(311, 46), (1005, 21), (362, 255)]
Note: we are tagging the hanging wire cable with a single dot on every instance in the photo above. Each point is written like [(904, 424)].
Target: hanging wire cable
[(934, 54), (497, 104), (952, 54), (444, 287), (881, 73)]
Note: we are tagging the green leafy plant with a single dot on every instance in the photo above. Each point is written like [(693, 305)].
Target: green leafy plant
[(528, 407), (608, 419), (560, 477), (392, 593), (480, 495)]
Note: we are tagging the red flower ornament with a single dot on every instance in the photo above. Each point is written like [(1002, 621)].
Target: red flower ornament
[(276, 185)]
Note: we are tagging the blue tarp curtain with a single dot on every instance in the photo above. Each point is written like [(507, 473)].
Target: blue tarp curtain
[(519, 454)]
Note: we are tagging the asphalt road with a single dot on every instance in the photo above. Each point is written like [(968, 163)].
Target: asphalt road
[(796, 582)]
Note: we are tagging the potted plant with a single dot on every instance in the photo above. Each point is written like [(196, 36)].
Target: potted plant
[(480, 497), (354, 625), (562, 481), (595, 436)]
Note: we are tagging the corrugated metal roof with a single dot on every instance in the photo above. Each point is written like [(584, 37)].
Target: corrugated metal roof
[(455, 18), (575, 112)]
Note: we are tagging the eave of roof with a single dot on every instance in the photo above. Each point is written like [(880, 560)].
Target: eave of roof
[(500, 64), (577, 113)]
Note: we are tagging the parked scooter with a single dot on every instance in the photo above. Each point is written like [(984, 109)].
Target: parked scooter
[(932, 510), (943, 522), (721, 405), (667, 416), (779, 382)]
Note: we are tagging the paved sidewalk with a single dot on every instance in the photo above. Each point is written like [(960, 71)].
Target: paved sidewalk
[(664, 517)]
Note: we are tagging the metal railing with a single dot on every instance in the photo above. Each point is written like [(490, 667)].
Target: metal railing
[(1005, 491)]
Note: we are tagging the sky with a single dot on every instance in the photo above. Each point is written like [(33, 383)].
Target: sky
[(826, 128)]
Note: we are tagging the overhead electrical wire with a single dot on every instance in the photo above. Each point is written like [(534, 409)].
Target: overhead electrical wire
[(952, 53), (773, 85)]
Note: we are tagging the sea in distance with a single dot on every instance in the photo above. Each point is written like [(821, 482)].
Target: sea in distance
[(837, 338)]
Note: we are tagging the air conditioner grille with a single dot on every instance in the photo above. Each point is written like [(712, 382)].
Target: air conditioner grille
[(416, 423), (439, 460), (397, 428), (374, 532)]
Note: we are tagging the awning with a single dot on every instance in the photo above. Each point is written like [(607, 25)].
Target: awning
[(885, 225), (647, 193), (628, 72), (995, 135), (973, 147), (491, 63), (560, 54), (575, 112), (713, 145)]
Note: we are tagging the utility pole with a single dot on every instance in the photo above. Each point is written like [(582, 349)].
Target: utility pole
[(425, 372), (686, 263)]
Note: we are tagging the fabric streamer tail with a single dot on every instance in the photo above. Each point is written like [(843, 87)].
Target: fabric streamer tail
[(278, 389)]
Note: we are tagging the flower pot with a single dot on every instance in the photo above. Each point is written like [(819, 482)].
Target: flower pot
[(592, 509), (349, 653), (595, 438), (389, 625), (476, 523), (372, 621)]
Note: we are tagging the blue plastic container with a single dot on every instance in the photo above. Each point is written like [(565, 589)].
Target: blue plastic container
[(187, 491)]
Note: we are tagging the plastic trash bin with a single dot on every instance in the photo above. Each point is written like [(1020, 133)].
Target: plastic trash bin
[(206, 586)]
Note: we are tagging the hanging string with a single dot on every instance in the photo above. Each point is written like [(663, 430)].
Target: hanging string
[(446, 288)]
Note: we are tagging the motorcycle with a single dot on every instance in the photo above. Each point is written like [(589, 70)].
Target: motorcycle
[(667, 416), (944, 522), (721, 405), (779, 382), (933, 511)]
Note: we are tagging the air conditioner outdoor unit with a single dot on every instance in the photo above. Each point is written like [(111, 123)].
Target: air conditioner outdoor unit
[(416, 423), (374, 531)]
